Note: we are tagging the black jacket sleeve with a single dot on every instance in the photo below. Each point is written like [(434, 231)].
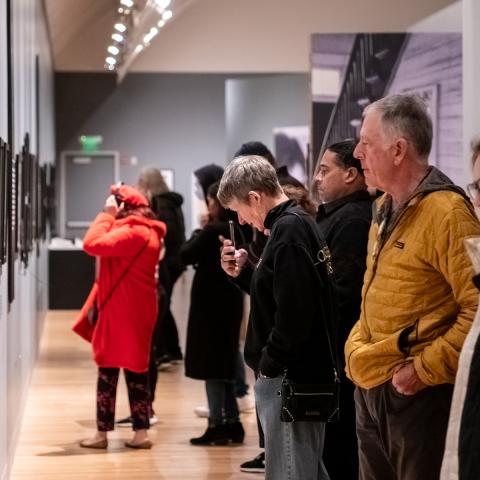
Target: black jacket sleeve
[(199, 244), (348, 246), (244, 280)]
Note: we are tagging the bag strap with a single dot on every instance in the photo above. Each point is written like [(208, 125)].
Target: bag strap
[(323, 258), (122, 276)]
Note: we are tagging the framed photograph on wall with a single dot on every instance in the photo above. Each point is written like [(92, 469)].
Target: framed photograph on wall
[(169, 177), (12, 220), (3, 202), (429, 94), (27, 201)]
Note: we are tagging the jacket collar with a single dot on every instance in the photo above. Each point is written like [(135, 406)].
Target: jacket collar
[(433, 181), (276, 212), (325, 209)]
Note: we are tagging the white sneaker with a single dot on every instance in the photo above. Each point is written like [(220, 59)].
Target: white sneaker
[(202, 412), (246, 403), (153, 420)]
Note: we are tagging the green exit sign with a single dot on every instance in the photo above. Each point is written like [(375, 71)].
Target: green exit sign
[(90, 143)]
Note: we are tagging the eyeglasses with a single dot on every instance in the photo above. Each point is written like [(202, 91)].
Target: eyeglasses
[(473, 189)]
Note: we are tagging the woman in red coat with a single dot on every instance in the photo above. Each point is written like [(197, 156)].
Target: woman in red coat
[(128, 239)]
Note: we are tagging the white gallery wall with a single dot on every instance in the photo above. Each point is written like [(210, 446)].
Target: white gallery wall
[(21, 322)]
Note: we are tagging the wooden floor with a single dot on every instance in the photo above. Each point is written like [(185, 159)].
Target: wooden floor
[(60, 411)]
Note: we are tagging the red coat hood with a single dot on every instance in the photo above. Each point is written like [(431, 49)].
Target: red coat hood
[(158, 226)]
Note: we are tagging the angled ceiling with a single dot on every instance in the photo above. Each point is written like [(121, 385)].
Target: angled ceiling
[(225, 35)]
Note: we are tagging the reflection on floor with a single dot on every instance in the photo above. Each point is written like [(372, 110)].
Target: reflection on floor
[(60, 410)]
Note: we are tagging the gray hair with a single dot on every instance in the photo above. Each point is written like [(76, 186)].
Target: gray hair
[(244, 174), (151, 182), (406, 115)]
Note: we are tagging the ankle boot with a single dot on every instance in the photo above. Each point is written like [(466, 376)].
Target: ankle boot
[(236, 433), (214, 435)]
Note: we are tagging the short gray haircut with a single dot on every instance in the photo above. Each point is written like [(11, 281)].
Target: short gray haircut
[(244, 174), (406, 115)]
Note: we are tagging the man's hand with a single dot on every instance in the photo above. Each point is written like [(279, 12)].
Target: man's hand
[(406, 381), (232, 260)]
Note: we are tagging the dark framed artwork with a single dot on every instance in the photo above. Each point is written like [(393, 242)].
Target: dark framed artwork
[(12, 220), (3, 202), (27, 201), (11, 253)]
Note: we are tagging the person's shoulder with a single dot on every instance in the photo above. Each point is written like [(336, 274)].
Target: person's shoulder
[(359, 211), (443, 202), (292, 225)]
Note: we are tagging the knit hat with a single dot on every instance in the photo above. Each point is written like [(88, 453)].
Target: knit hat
[(129, 195)]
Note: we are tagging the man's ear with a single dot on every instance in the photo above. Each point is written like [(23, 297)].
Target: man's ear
[(350, 175), (400, 148)]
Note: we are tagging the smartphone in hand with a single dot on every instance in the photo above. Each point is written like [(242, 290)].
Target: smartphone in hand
[(232, 232)]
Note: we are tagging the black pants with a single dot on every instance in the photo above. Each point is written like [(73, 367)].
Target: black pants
[(166, 339), (261, 435), (469, 441), (138, 397), (401, 437)]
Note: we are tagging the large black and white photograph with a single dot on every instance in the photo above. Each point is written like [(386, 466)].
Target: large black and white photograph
[(350, 71)]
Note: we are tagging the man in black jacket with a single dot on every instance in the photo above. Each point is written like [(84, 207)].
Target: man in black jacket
[(286, 329), (344, 218)]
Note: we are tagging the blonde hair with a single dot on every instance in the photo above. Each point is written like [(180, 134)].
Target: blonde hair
[(151, 182), (475, 150)]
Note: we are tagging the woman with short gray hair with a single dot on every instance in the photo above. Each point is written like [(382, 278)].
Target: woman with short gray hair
[(286, 331)]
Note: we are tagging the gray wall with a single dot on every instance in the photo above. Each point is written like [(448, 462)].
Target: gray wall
[(21, 323), (256, 105), (180, 121)]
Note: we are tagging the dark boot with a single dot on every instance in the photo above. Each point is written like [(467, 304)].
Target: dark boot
[(236, 433), (216, 435)]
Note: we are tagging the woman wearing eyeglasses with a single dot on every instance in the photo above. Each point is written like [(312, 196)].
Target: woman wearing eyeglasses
[(460, 461)]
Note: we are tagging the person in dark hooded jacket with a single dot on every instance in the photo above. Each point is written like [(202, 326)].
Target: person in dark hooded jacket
[(216, 310), (167, 206)]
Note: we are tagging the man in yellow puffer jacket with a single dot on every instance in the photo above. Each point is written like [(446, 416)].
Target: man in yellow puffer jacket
[(418, 301)]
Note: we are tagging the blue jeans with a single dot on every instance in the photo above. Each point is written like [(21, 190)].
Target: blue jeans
[(293, 451), (221, 402)]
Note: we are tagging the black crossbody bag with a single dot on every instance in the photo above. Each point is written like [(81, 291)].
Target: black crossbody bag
[(314, 402)]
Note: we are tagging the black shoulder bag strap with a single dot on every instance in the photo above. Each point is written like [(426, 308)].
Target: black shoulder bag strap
[(324, 267), (122, 276)]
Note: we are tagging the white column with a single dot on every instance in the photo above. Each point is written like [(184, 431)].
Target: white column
[(471, 77)]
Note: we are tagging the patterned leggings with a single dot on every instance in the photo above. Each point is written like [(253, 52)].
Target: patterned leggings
[(138, 396)]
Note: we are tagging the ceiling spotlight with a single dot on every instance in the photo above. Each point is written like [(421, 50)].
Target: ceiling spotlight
[(117, 37), (163, 3), (110, 67), (113, 50), (161, 23), (120, 10), (127, 3), (138, 48), (110, 60), (120, 27), (167, 15)]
